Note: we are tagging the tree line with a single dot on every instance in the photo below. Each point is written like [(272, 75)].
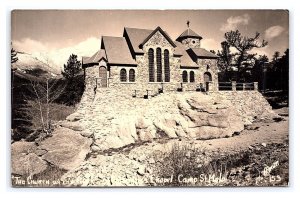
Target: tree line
[(237, 62), (38, 98)]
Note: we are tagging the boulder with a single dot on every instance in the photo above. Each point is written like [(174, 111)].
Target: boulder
[(74, 117), (76, 126), (86, 133), (126, 131), (24, 161), (95, 148), (40, 152), (142, 123), (66, 148), (206, 120), (167, 124)]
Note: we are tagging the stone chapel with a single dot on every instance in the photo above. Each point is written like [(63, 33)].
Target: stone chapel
[(144, 59)]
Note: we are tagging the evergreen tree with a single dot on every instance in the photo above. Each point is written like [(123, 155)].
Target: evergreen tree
[(72, 68), (74, 81), (243, 45), (13, 55)]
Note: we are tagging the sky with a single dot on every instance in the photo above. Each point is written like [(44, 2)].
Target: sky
[(58, 33)]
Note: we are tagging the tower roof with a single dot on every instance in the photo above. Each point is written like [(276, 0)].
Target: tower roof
[(188, 33)]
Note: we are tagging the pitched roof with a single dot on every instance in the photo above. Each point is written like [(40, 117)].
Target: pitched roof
[(117, 50), (188, 33), (163, 33), (180, 49), (136, 37), (100, 54), (185, 59), (203, 53), (85, 60)]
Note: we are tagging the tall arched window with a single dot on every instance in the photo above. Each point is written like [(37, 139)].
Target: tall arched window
[(131, 75), (151, 64), (192, 76), (123, 75), (167, 65), (158, 65), (184, 76)]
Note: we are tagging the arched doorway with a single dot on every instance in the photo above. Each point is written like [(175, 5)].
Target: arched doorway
[(103, 76), (207, 79)]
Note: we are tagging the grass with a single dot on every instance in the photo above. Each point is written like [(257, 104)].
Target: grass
[(57, 113), (190, 166)]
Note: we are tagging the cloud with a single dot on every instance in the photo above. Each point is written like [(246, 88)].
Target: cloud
[(273, 31), (84, 48), (57, 56), (28, 45), (234, 21), (210, 44)]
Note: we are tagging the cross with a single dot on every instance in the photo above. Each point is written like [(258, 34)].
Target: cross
[(188, 23)]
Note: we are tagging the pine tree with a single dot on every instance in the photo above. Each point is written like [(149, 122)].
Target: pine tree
[(243, 45), (72, 68), (14, 54)]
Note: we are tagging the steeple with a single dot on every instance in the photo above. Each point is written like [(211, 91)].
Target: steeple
[(189, 38)]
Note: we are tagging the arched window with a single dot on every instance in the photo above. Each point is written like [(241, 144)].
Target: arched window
[(192, 76), (103, 76), (167, 65), (184, 76), (158, 65), (207, 77), (123, 75), (151, 64), (131, 75)]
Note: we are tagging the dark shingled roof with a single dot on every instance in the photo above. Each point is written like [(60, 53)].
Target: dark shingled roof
[(186, 60), (136, 37), (165, 34), (85, 60), (180, 49), (188, 33), (203, 53), (117, 50), (100, 54)]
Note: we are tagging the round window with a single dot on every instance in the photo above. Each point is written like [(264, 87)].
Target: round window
[(193, 42)]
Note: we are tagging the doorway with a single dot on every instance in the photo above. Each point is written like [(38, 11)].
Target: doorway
[(103, 76), (207, 80)]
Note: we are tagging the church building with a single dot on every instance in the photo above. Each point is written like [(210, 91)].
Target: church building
[(144, 59)]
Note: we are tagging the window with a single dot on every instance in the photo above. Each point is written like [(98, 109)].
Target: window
[(167, 65), (151, 64), (158, 65), (123, 75), (192, 76), (184, 76), (131, 75), (207, 77)]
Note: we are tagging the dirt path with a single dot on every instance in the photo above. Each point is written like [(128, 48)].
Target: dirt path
[(275, 132)]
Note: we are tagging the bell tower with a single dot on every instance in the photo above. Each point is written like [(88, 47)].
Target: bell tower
[(189, 38)]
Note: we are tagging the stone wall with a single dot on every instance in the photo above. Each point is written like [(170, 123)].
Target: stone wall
[(209, 65), (191, 43)]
